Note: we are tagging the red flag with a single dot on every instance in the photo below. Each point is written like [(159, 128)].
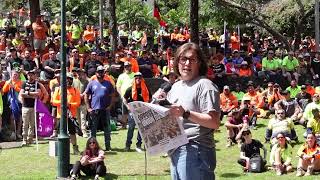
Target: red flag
[(156, 14)]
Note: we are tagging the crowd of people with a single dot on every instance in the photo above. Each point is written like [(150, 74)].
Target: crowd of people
[(271, 82)]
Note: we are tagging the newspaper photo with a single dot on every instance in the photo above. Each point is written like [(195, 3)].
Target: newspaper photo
[(159, 131)]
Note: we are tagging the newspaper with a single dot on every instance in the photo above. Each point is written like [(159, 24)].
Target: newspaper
[(159, 131)]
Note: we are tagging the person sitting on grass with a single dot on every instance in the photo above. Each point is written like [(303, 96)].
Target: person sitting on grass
[(280, 124), (249, 149), (313, 125), (309, 156), (281, 155), (236, 120), (290, 106), (91, 162)]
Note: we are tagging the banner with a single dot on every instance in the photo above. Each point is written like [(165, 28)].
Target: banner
[(159, 131), (45, 123)]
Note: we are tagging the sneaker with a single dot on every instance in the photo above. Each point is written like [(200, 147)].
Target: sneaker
[(96, 177), (24, 143), (278, 172), (300, 172), (54, 134), (309, 171), (139, 150), (127, 149), (73, 177)]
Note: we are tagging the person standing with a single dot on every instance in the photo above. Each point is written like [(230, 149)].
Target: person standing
[(123, 83), (30, 90), (39, 30), (101, 92), (137, 92), (196, 100), (73, 102)]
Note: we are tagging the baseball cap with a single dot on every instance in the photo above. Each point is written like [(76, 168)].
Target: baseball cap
[(127, 63), (70, 75), (306, 55), (226, 87), (303, 87), (100, 68), (244, 63), (137, 74)]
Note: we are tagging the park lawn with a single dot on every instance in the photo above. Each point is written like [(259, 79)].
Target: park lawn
[(27, 163)]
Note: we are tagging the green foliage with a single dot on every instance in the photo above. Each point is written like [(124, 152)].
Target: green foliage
[(134, 13)]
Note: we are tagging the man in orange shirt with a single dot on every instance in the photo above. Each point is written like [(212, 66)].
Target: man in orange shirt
[(228, 101), (133, 62), (73, 101), (39, 30)]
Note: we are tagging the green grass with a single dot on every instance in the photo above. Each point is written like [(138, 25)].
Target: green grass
[(27, 163)]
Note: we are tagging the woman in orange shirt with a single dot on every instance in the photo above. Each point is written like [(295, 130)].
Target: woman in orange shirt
[(89, 34), (16, 84)]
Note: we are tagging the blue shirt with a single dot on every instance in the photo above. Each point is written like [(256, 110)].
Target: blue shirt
[(100, 94), (146, 72)]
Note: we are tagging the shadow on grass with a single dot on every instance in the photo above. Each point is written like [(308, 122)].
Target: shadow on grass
[(230, 175), (260, 125), (109, 176)]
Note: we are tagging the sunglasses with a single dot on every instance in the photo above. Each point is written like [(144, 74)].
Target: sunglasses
[(281, 113), (280, 137), (246, 133)]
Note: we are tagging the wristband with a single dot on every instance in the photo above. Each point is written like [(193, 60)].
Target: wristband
[(186, 114)]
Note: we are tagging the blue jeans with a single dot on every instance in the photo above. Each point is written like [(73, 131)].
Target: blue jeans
[(193, 162), (101, 117), (130, 132)]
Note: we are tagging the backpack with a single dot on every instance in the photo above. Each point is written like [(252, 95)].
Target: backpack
[(257, 164)]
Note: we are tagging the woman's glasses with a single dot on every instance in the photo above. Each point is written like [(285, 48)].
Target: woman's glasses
[(280, 137)]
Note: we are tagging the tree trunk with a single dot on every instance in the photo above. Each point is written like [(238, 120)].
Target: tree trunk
[(34, 9), (194, 21), (111, 10), (274, 33)]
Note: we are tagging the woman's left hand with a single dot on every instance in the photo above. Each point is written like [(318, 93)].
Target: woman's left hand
[(176, 111)]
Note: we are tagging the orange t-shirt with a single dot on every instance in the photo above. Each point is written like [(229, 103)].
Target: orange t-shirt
[(226, 102), (106, 78), (17, 86), (245, 72), (73, 100), (39, 30), (134, 63), (235, 44), (311, 90), (88, 35)]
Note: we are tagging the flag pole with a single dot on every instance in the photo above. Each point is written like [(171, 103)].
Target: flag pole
[(35, 123), (35, 120)]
